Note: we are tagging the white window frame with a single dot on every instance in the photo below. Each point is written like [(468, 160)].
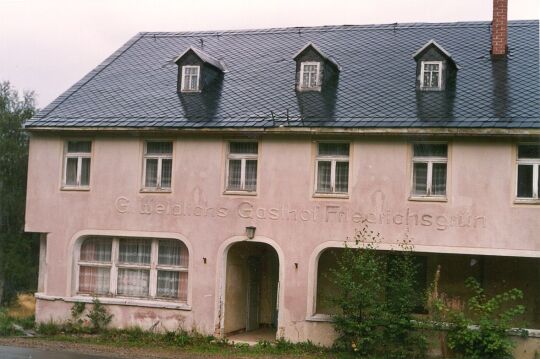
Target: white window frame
[(184, 83), (430, 160), (422, 65), (333, 160), (317, 78), (535, 162), (79, 156), (115, 265), (160, 158), (243, 157)]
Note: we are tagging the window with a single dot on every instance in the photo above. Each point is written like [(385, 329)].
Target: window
[(242, 166), (429, 169), (77, 164), (528, 178), (430, 76), (190, 78), (309, 75), (157, 165), (134, 267), (332, 168)]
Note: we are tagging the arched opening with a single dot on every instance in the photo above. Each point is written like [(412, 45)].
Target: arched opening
[(251, 292)]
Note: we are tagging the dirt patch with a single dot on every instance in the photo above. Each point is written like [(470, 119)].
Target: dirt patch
[(113, 351)]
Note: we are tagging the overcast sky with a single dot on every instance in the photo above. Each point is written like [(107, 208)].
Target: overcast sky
[(47, 45)]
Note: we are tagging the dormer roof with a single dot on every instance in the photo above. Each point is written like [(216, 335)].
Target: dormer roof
[(210, 60), (322, 54), (441, 49)]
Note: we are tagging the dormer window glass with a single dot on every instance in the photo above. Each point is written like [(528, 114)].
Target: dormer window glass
[(190, 78), (431, 74), (309, 75)]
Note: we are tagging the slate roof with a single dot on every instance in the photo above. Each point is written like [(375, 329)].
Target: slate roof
[(136, 86)]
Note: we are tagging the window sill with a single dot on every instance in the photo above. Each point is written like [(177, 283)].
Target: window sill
[(148, 303), (534, 201), (331, 195), (309, 89), (240, 193), (155, 190), (428, 199), (430, 88), (69, 188), (531, 333), (325, 318)]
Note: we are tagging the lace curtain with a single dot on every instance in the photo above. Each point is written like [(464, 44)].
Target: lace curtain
[(172, 285), (234, 174), (323, 176), (134, 250), (342, 176), (133, 282), (94, 280), (96, 250)]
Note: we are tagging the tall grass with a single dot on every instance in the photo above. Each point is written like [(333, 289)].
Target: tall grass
[(9, 323)]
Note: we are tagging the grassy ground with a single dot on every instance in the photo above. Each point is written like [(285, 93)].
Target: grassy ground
[(17, 320), (192, 343)]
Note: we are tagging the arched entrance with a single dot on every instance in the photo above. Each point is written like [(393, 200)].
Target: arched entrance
[(250, 292)]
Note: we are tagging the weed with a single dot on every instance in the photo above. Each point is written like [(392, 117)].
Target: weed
[(99, 316), (50, 328)]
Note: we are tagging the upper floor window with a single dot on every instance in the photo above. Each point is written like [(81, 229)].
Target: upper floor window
[(430, 76), (77, 164), (429, 169), (157, 165), (309, 75), (332, 168), (242, 166), (528, 178), (133, 267), (190, 78)]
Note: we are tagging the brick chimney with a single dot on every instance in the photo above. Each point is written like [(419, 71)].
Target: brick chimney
[(499, 28)]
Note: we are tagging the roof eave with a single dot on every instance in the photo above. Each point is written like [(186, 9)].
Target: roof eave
[(436, 131)]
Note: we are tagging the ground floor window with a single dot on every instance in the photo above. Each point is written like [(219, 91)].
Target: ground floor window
[(496, 274), (133, 267)]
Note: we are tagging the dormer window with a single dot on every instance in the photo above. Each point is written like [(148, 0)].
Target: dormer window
[(309, 75), (430, 76), (435, 68), (190, 78), (315, 71), (198, 71)]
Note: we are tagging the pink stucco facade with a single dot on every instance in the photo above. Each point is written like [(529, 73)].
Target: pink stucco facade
[(479, 216)]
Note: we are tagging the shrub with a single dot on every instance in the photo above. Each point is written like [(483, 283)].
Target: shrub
[(481, 331), (376, 298)]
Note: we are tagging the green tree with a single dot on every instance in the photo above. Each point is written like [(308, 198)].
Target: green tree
[(18, 250), (376, 298)]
